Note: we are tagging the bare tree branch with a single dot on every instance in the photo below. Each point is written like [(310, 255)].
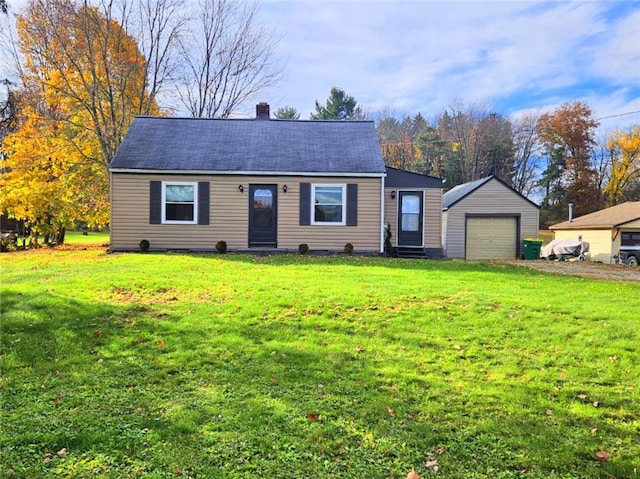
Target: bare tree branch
[(227, 60)]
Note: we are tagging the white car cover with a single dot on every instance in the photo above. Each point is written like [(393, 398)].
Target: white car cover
[(566, 247)]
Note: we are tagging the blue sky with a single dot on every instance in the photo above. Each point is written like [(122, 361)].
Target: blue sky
[(420, 56)]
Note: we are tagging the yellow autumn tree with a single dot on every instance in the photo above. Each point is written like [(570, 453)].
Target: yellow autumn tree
[(84, 80), (403, 154), (624, 153)]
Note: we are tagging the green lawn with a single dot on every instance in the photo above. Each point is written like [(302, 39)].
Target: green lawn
[(78, 237), (234, 366)]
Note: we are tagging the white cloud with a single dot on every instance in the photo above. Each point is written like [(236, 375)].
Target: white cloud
[(418, 56)]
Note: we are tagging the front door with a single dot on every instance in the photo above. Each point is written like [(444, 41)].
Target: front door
[(410, 218), (263, 217)]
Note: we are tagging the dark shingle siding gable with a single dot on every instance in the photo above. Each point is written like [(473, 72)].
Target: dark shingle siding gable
[(274, 146)]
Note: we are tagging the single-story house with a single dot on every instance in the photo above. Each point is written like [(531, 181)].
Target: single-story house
[(487, 219), (412, 212), (605, 230), (257, 184)]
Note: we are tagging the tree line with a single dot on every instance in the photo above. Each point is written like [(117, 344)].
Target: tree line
[(84, 70), (555, 157)]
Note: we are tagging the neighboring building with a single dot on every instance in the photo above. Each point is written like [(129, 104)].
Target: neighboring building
[(487, 219), (605, 230), (413, 211), (258, 184)]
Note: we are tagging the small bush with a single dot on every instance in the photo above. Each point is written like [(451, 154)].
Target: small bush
[(221, 246), (303, 248), (388, 248), (348, 248), (144, 245)]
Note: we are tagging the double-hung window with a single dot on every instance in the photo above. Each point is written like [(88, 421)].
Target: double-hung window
[(329, 204), (180, 202)]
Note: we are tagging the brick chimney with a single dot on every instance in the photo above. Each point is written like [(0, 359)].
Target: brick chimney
[(262, 111)]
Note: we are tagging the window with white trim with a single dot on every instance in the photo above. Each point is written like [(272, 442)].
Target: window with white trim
[(180, 202), (329, 204)]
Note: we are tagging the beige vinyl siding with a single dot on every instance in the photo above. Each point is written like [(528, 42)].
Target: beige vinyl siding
[(631, 226), (433, 218), (492, 198), (391, 214), (601, 246), (229, 210), (432, 222)]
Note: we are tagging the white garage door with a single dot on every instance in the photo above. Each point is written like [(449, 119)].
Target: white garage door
[(491, 238)]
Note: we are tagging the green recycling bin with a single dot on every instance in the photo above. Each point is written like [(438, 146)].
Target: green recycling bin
[(532, 248)]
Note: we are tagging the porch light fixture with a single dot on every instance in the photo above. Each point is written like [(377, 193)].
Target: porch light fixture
[(284, 189), (241, 188), (393, 194)]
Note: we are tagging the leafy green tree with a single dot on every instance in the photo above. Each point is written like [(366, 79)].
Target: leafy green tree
[(287, 113), (551, 182), (434, 152), (339, 106)]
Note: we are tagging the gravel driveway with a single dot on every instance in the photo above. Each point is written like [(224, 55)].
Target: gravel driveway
[(585, 269)]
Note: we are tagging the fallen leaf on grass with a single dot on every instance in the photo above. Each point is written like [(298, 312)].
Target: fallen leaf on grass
[(98, 334), (160, 344), (603, 456), (62, 452), (412, 475), (314, 417), (391, 412), (432, 464), (594, 430)]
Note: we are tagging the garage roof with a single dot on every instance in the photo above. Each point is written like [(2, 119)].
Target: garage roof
[(608, 218), (456, 194)]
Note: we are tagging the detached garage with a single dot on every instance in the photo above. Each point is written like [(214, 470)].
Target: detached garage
[(487, 219)]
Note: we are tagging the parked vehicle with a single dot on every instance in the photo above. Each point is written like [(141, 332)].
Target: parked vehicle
[(629, 255), (565, 250)]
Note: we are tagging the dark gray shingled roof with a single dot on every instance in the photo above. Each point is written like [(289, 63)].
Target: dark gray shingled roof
[(459, 192), (256, 145), (456, 193)]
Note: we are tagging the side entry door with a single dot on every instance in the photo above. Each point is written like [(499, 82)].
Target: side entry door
[(410, 214)]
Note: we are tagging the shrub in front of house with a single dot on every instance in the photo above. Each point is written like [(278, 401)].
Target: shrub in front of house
[(348, 248), (221, 246), (144, 245), (303, 248)]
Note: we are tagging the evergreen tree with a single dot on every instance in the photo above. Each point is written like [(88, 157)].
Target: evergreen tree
[(339, 106), (287, 113)]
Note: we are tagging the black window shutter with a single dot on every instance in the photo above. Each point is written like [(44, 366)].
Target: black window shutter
[(352, 204), (305, 204), (155, 202), (203, 203)]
